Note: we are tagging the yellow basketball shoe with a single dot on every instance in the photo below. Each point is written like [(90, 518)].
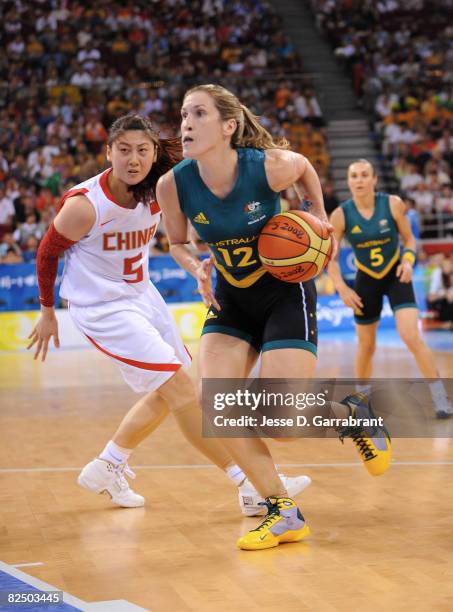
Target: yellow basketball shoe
[(372, 440), (283, 523)]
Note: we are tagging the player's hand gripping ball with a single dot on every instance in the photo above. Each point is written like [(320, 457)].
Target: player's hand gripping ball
[(295, 246)]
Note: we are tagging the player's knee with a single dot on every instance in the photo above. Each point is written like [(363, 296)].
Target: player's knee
[(178, 391), (367, 345), (411, 340)]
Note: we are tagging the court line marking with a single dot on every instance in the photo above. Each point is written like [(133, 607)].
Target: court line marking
[(27, 564), (41, 585), (210, 467), (119, 605)]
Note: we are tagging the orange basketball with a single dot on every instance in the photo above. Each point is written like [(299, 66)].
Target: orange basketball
[(295, 246)]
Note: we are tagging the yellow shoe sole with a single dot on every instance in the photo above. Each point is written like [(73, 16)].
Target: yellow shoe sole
[(377, 468), (272, 541)]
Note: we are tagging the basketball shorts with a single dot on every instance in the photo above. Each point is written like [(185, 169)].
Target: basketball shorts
[(271, 314), (139, 334), (372, 291)]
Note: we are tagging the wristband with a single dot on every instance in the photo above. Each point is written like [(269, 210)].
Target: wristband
[(409, 255)]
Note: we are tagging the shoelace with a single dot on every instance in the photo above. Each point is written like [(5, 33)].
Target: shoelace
[(360, 439), (121, 471), (273, 512), (364, 446), (129, 472), (268, 521)]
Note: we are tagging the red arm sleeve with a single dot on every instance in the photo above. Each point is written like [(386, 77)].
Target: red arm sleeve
[(52, 245)]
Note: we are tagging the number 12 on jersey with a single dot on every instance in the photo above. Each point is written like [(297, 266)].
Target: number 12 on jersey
[(245, 253)]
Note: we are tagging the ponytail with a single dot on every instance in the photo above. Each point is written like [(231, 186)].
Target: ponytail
[(250, 133)]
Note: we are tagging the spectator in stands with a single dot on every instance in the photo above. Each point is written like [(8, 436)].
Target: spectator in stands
[(12, 257), (414, 218), (30, 249), (6, 209), (424, 199), (81, 77), (444, 203), (445, 145), (83, 60), (411, 179), (4, 166), (386, 103), (88, 56), (440, 296), (10, 251), (308, 108), (437, 169), (408, 75), (331, 202), (29, 228), (95, 133)]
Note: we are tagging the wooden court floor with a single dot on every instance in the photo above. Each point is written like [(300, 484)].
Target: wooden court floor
[(377, 544)]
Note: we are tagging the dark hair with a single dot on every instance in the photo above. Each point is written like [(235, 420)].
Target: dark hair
[(169, 153)]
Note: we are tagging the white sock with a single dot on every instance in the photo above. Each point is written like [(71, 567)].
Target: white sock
[(235, 474), (437, 389), (115, 454), (360, 388)]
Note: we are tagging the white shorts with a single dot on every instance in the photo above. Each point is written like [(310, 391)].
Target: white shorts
[(139, 333)]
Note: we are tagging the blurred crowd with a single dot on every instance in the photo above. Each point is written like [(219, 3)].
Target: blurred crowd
[(440, 293), (399, 54), (69, 69)]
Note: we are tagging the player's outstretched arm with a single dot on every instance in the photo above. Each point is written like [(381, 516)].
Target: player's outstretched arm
[(74, 221)]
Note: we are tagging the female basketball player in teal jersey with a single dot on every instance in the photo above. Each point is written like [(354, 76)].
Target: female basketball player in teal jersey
[(134, 329), (374, 223), (228, 187)]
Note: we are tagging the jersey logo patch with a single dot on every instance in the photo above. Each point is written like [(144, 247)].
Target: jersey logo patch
[(200, 218), (356, 230), (254, 212), (384, 226), (211, 315)]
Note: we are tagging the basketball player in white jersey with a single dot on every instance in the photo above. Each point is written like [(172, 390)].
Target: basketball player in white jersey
[(104, 227)]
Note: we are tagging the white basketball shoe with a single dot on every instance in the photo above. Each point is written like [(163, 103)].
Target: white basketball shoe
[(249, 499), (101, 476)]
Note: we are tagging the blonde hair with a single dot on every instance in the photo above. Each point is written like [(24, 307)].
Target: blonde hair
[(249, 132)]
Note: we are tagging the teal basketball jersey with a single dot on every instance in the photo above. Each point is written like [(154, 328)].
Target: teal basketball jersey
[(375, 241), (230, 225)]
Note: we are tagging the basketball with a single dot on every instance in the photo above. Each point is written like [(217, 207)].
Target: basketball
[(295, 246)]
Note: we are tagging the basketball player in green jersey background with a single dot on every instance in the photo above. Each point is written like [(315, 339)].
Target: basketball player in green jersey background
[(228, 187), (374, 223)]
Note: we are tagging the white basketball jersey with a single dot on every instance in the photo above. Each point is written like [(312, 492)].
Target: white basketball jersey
[(111, 261)]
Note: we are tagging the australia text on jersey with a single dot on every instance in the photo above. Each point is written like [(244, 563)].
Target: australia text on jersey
[(233, 241), (373, 243)]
